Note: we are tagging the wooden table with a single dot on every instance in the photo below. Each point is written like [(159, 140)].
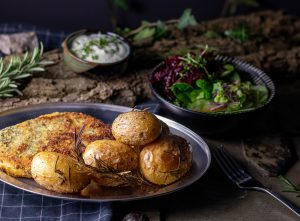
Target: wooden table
[(213, 197)]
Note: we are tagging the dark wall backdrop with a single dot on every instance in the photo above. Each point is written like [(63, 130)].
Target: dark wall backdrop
[(75, 14)]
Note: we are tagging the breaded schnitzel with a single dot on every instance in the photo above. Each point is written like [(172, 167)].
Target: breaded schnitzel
[(50, 132)]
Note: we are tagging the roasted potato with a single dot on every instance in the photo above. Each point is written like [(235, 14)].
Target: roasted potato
[(59, 173), (165, 130), (165, 160), (136, 128), (112, 154)]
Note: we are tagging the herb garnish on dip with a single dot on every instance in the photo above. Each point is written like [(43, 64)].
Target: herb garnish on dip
[(100, 48)]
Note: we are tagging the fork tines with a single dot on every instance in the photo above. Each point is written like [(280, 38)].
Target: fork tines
[(230, 167)]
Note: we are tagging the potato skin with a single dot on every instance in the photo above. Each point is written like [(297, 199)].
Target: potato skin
[(165, 130), (165, 160), (58, 172), (115, 154), (136, 128)]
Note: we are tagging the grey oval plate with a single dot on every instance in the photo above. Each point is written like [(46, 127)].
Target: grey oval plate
[(106, 113)]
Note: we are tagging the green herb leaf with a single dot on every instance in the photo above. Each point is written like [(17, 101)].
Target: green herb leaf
[(235, 78), (186, 19), (234, 106), (181, 92), (229, 69), (181, 87), (219, 91), (161, 31), (122, 4), (123, 31), (196, 95), (239, 34), (206, 88), (19, 68), (251, 3), (262, 93), (211, 34), (197, 61), (200, 105), (289, 186), (144, 34)]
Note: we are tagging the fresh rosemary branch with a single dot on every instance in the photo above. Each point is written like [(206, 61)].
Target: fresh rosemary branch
[(19, 68), (289, 186), (131, 178)]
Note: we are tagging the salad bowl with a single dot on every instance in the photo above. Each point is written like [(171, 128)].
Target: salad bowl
[(221, 121)]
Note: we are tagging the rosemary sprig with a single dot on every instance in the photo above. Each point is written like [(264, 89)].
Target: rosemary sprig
[(289, 186), (20, 68), (131, 178)]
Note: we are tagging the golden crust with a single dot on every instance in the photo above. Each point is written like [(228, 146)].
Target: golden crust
[(51, 132), (165, 160)]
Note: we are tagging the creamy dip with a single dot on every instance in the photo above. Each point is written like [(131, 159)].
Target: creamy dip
[(100, 48)]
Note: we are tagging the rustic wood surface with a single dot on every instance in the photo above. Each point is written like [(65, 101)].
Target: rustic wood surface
[(274, 47), (276, 50), (59, 84)]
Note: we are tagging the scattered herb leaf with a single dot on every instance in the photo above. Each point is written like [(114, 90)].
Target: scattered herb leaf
[(161, 31), (122, 4), (211, 34), (145, 33), (252, 3), (123, 31), (240, 34), (186, 19), (289, 186)]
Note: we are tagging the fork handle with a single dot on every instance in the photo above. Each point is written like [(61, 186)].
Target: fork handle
[(283, 200)]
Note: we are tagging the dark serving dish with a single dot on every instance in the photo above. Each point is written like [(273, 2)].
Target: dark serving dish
[(218, 122), (107, 113)]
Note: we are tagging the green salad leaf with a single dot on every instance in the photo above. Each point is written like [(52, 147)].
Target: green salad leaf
[(222, 91), (200, 105), (228, 70), (205, 87)]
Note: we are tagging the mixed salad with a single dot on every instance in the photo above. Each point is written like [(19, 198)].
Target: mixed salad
[(196, 81)]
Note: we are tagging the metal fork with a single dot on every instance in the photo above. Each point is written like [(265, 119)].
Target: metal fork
[(244, 181)]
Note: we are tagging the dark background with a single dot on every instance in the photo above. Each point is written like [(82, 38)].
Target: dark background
[(75, 14)]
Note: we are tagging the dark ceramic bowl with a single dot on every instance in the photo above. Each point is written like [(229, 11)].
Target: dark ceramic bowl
[(79, 65), (218, 122)]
